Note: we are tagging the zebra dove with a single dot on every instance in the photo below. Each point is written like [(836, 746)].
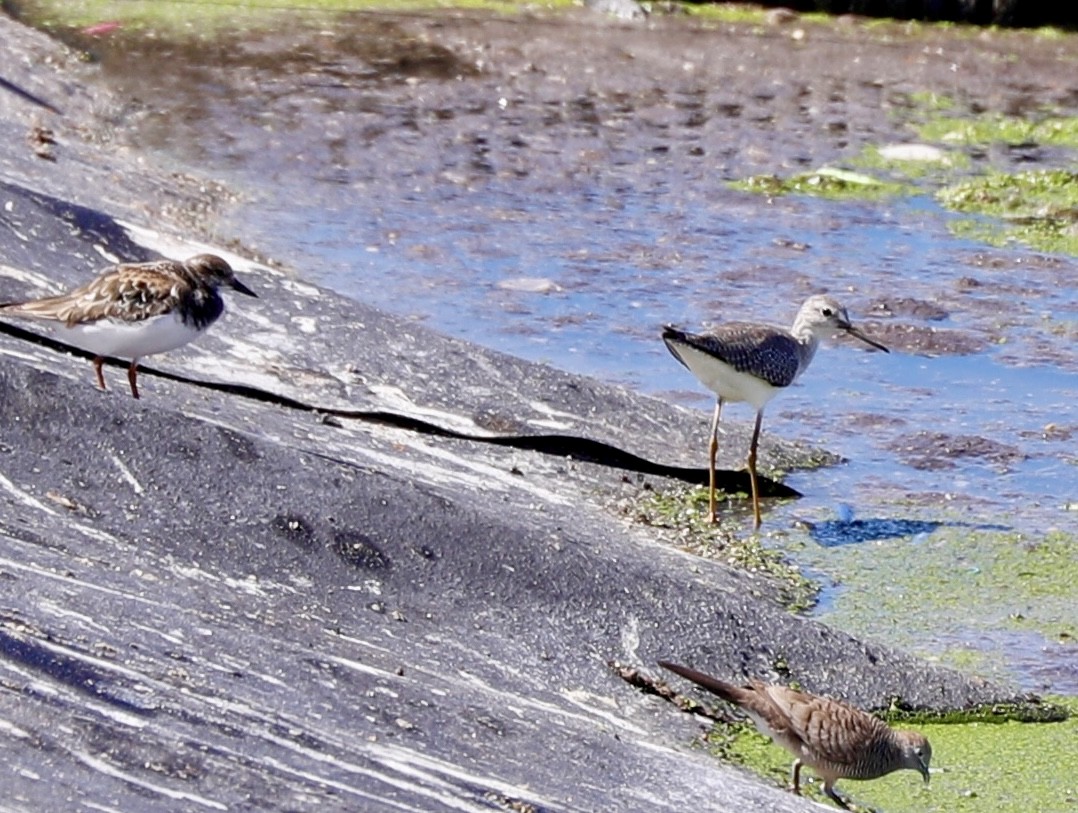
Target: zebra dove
[(836, 740)]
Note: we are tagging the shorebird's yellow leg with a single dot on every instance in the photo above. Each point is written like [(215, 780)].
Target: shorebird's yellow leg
[(752, 471), (713, 450)]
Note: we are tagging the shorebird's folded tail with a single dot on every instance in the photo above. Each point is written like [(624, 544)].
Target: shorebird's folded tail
[(672, 337), (34, 309)]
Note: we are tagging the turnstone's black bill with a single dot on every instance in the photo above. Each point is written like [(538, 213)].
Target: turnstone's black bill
[(133, 310)]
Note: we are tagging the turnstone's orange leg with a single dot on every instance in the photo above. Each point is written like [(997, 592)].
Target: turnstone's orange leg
[(98, 361), (132, 375)]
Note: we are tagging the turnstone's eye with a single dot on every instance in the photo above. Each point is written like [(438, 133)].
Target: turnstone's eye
[(827, 312)]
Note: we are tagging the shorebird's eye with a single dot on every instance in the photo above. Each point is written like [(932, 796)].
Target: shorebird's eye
[(827, 312)]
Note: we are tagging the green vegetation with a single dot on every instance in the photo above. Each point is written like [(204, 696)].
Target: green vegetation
[(991, 766), (747, 14), (733, 13), (684, 510), (197, 17), (826, 182), (1039, 208), (1061, 132), (1002, 589), (926, 100)]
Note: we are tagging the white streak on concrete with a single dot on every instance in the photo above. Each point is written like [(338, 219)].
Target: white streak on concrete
[(443, 793), (108, 256), (103, 808), (60, 611), (30, 278), (305, 324), (394, 399), (356, 666), (111, 770), (589, 703), (428, 769), (24, 498), (94, 533), (550, 412), (12, 730), (63, 578), (301, 289), (127, 475), (630, 638)]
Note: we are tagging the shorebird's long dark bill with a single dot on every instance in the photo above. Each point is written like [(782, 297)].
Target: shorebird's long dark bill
[(855, 332), (243, 289)]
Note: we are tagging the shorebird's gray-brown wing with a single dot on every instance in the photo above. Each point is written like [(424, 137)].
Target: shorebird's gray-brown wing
[(765, 352), (129, 292), (836, 732)]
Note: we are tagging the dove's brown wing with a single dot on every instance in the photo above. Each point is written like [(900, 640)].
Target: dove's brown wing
[(834, 731)]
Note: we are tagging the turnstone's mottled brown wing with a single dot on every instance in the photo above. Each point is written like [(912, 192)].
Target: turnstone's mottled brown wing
[(129, 292)]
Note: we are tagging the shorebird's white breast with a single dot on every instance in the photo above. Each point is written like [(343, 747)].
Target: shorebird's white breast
[(111, 337), (724, 380)]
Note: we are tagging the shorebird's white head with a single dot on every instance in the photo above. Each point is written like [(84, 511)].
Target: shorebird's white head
[(822, 317)]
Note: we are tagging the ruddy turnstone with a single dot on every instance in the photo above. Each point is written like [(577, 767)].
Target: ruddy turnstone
[(133, 310)]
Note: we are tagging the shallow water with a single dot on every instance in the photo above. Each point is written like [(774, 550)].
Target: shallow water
[(595, 297), (566, 222)]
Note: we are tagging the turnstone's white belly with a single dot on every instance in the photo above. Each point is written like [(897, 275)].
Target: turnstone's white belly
[(114, 337)]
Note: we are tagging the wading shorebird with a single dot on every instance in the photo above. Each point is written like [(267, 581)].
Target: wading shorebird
[(744, 361), (833, 738), (133, 310)]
